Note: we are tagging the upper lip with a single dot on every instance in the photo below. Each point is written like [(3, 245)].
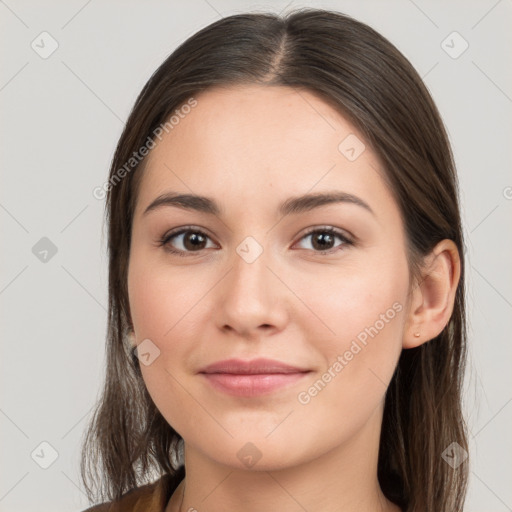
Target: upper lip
[(252, 367)]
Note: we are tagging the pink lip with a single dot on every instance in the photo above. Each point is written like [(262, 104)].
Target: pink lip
[(255, 366), (251, 378)]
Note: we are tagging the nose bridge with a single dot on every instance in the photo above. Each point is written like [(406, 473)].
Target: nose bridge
[(249, 272)]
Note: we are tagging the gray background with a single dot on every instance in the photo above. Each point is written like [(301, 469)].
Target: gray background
[(61, 118)]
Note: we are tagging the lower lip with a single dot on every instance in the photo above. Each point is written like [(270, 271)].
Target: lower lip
[(251, 385)]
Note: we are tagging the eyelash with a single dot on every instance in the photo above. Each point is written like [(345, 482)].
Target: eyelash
[(164, 241)]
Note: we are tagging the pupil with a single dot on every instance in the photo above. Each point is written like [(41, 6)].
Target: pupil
[(324, 239), (194, 241)]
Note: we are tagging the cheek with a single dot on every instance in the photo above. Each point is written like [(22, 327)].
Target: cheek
[(159, 298), (164, 306), (159, 314), (356, 327), (359, 362), (342, 303)]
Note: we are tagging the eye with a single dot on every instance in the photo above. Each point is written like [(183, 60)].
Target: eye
[(193, 241), (323, 238)]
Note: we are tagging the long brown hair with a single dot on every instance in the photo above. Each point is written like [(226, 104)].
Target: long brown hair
[(362, 75)]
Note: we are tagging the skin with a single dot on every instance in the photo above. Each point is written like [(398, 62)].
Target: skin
[(250, 148)]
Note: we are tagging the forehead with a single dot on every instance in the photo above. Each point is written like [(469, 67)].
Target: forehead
[(238, 142), (257, 122)]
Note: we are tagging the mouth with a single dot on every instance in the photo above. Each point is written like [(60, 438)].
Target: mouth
[(251, 378)]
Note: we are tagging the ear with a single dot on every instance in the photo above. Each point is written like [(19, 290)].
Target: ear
[(432, 298), (131, 339)]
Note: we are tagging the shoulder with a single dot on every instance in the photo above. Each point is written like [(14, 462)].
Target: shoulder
[(147, 498)]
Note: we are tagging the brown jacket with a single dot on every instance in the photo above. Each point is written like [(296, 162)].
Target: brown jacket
[(148, 498)]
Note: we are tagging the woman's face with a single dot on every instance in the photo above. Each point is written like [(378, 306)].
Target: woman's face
[(250, 281)]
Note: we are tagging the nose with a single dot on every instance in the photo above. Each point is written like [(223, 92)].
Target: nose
[(251, 299)]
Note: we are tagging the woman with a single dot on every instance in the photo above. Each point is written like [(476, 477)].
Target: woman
[(286, 280)]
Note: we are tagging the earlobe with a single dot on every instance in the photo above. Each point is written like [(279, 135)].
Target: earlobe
[(433, 297), (130, 337)]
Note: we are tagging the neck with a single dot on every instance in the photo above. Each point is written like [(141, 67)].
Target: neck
[(340, 480)]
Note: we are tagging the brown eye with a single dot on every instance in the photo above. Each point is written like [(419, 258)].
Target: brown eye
[(322, 240), (188, 240)]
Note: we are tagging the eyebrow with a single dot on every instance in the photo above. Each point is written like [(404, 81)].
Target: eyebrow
[(293, 205)]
